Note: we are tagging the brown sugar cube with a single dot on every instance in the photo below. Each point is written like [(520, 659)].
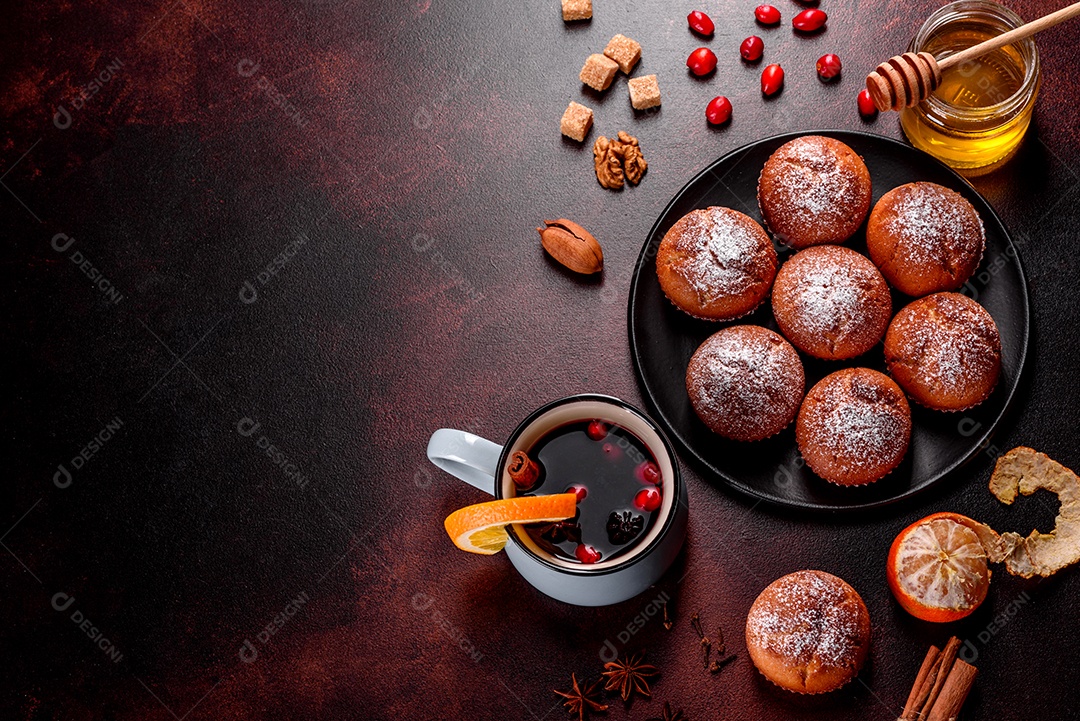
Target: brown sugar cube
[(624, 51), (576, 9), (644, 92), (599, 71), (576, 121)]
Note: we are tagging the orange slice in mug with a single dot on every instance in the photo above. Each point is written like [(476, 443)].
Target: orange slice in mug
[(937, 568), (481, 528)]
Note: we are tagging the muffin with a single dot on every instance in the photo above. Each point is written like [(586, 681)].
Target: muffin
[(854, 427), (945, 352), (808, 632), (716, 264), (831, 302), (745, 382), (813, 190), (925, 238)]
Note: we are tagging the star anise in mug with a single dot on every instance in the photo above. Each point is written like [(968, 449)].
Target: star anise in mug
[(623, 527), (629, 675), (559, 531), (581, 699)]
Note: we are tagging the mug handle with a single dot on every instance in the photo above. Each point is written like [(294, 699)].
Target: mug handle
[(466, 456)]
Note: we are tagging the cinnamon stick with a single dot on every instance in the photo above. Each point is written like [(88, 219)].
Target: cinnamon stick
[(914, 701), (954, 692), (941, 686), (922, 691), (523, 470), (948, 655)]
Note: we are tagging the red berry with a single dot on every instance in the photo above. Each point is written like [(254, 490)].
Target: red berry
[(648, 471), (867, 109), (767, 15), (700, 23), (647, 499), (578, 490), (752, 48), (702, 61), (828, 66), (717, 112), (772, 79), (597, 430), (586, 553), (809, 20)]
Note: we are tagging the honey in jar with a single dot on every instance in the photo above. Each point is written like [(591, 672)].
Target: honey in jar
[(976, 119)]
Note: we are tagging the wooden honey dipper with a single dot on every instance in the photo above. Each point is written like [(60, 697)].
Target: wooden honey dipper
[(904, 81)]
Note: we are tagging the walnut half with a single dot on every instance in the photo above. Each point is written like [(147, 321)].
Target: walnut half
[(633, 161), (618, 160), (607, 159)]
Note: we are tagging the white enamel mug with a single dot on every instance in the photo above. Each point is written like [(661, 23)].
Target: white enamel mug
[(483, 464)]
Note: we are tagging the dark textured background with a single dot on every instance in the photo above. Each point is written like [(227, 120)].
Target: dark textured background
[(406, 152)]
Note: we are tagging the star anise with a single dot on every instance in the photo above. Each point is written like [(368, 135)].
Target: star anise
[(629, 675), (669, 715), (581, 700), (559, 531), (624, 527)]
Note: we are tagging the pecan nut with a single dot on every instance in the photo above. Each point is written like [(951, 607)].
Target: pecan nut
[(572, 246)]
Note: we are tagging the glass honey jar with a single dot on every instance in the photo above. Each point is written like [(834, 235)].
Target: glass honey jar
[(976, 119)]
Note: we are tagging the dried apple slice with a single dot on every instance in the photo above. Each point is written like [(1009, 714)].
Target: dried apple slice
[(1025, 470)]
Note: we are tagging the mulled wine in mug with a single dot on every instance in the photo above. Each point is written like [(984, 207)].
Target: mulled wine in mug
[(631, 511)]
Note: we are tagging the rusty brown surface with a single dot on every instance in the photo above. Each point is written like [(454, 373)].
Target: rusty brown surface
[(397, 157)]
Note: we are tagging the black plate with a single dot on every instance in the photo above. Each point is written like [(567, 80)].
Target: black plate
[(662, 339)]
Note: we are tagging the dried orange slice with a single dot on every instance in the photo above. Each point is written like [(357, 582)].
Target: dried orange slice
[(481, 528), (937, 568)]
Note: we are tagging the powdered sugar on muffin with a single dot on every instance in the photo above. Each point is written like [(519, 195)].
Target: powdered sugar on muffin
[(746, 383), (814, 190), (854, 426), (807, 619), (945, 351), (925, 238), (717, 256), (831, 302), (808, 632), (716, 263)]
